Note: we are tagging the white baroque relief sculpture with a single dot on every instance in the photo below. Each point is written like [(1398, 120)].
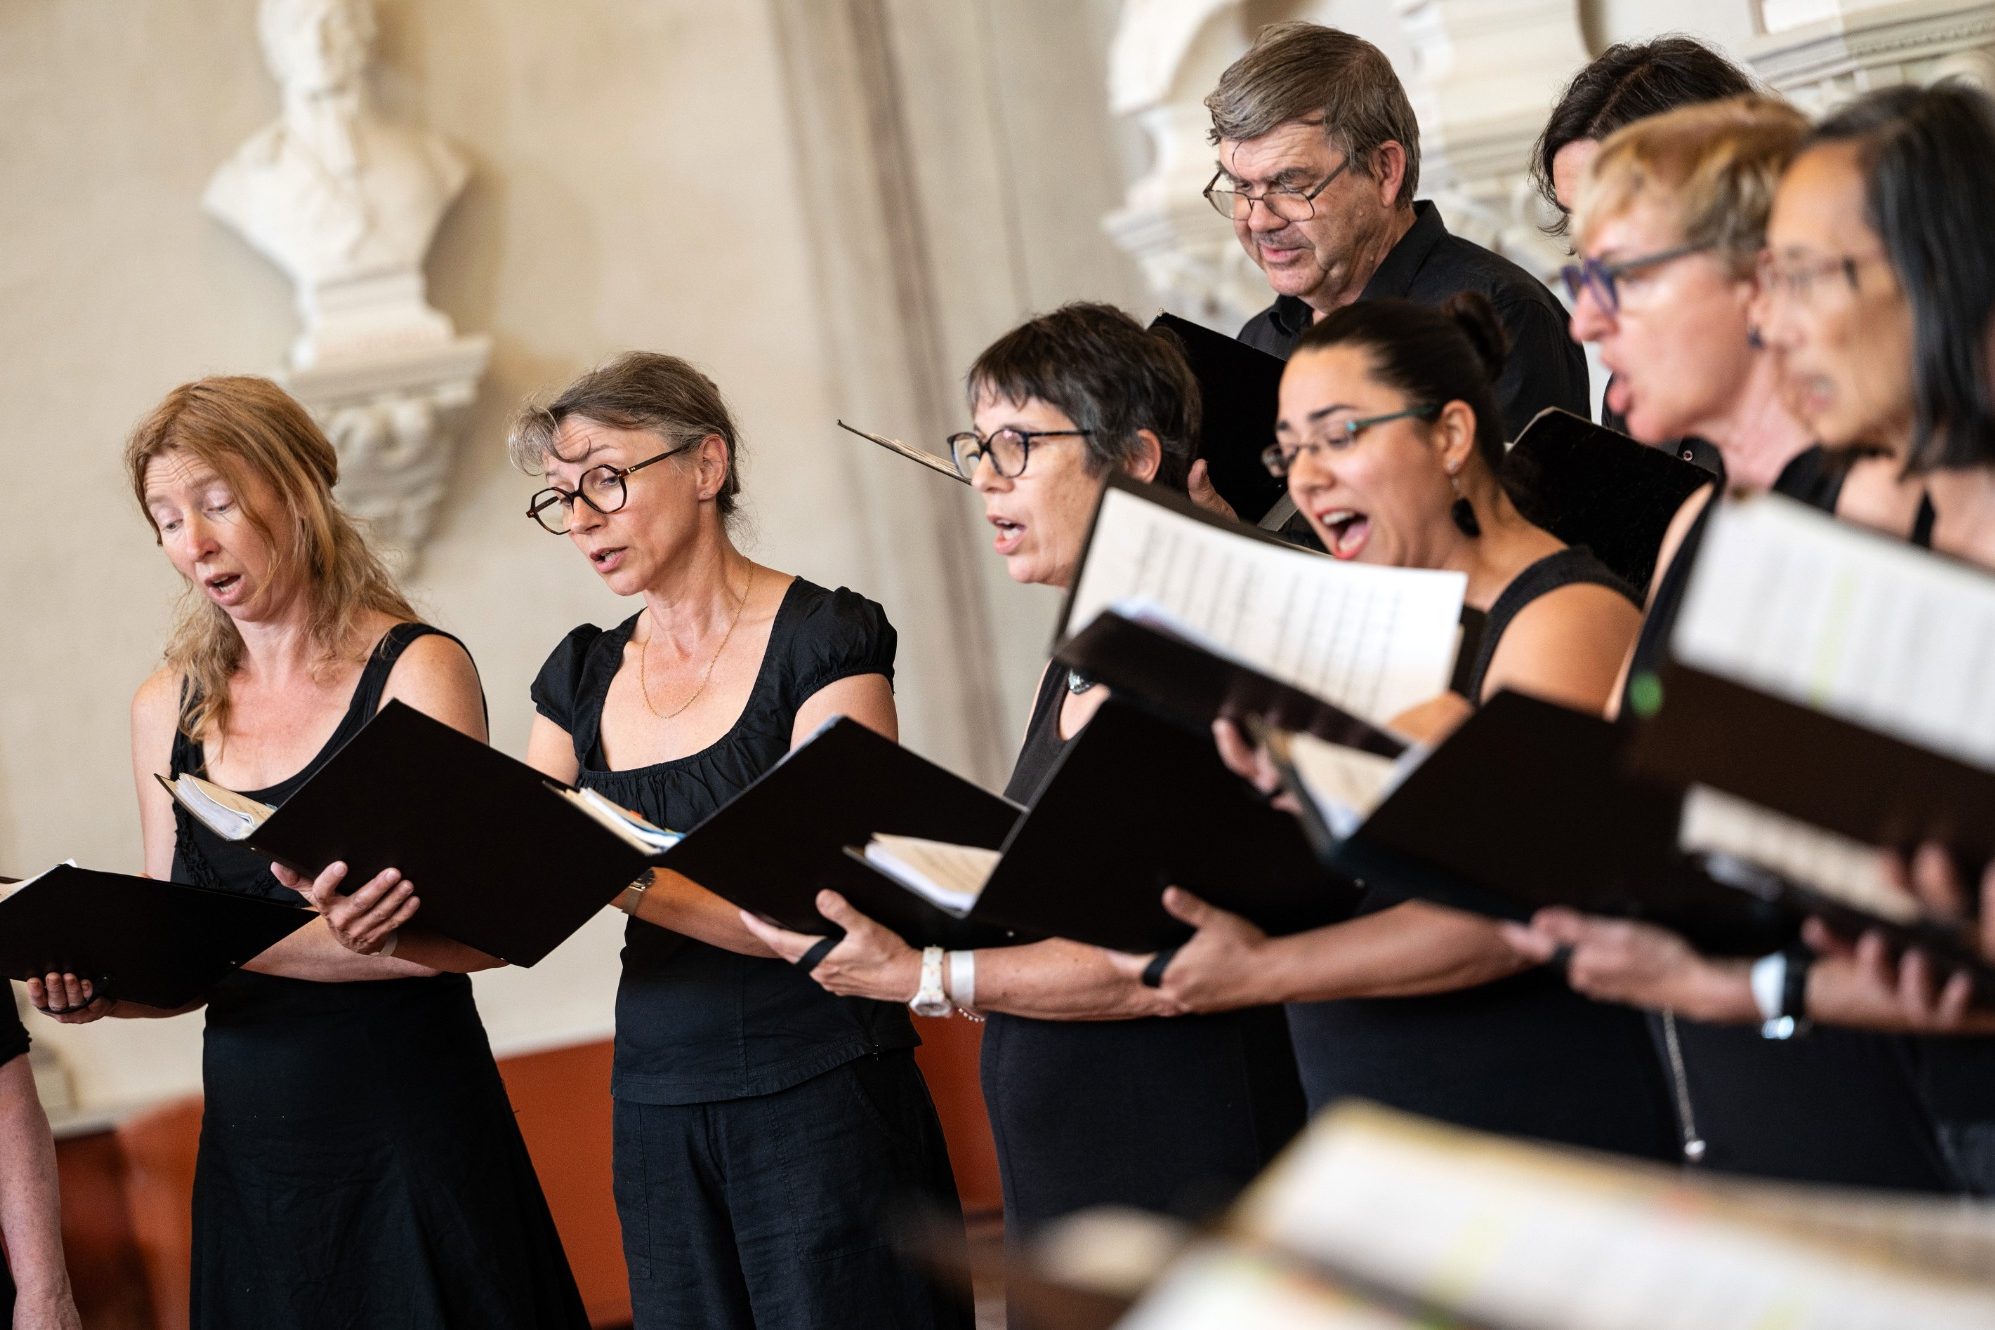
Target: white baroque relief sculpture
[(1821, 53), (346, 202), (1483, 79), (1166, 55)]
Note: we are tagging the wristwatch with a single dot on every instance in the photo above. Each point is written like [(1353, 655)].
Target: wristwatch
[(929, 999), (1780, 990)]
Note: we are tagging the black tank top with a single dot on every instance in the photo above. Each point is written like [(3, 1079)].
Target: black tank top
[(1572, 566), (1168, 1114), (1839, 1106), (1524, 1056)]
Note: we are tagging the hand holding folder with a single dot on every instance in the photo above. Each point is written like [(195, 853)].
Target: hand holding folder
[(504, 860), (1136, 804), (159, 944)]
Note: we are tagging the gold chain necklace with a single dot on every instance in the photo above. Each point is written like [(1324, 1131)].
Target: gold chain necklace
[(644, 657)]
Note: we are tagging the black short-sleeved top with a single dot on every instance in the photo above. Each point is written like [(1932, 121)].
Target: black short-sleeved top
[(1545, 366), (13, 1034), (698, 1023)]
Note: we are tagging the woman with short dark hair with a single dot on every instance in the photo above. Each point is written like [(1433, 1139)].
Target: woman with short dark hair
[(1093, 1099)]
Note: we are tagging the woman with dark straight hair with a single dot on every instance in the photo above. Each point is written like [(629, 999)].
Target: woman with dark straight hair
[(1880, 279)]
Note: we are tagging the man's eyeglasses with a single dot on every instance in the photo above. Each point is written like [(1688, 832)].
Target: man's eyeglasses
[(1279, 457), (601, 487), (1602, 278), (1797, 279), (1291, 205), (1008, 449)]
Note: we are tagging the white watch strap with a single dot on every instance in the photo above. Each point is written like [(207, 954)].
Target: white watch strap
[(1768, 979), (963, 978)]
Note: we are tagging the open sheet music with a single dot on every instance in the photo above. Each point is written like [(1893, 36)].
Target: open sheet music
[(1374, 641), (1514, 1235), (1843, 620)]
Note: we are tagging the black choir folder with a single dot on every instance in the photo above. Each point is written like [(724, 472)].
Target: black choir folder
[(1136, 804), (160, 944), (1825, 692), (1198, 617), (1239, 390), (1239, 397), (1591, 486), (502, 859), (1529, 804)]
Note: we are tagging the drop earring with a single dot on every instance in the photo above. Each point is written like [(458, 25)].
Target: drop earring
[(1753, 338), (1462, 510)]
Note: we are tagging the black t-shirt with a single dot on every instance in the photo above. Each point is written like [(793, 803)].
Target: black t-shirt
[(698, 1023), (1429, 264)]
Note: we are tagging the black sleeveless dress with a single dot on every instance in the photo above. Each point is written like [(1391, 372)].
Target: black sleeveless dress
[(1169, 1114), (1524, 1056), (1836, 1106), (13, 1044), (359, 1163)]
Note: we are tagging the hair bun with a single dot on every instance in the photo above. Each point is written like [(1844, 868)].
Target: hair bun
[(1476, 317)]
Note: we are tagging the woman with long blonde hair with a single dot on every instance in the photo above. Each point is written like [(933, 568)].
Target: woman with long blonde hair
[(359, 1162)]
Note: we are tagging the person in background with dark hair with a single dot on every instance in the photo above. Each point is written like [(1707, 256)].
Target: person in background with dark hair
[(1318, 168), (1879, 290), (37, 1295), (1627, 82), (1093, 1098), (1389, 440)]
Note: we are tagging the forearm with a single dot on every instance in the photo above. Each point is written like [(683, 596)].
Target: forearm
[(1061, 981), (1840, 993), (30, 1211), (678, 903), (1405, 951), (313, 953), (437, 954)]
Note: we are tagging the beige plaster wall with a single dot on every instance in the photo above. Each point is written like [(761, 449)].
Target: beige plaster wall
[(632, 186)]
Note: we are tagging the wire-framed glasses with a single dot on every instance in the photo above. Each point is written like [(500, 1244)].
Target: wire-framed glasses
[(1279, 457), (1008, 449), (1602, 278), (1291, 205), (601, 487), (1796, 279)]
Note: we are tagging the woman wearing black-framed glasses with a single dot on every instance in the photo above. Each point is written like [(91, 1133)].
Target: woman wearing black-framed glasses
[(765, 1133)]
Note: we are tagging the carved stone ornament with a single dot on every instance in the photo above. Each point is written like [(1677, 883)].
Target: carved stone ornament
[(1821, 53), (346, 202)]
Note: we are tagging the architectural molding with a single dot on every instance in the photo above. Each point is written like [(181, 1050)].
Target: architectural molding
[(1824, 52), (880, 309)]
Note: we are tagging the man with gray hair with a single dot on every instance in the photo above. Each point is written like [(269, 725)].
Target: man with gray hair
[(1319, 159)]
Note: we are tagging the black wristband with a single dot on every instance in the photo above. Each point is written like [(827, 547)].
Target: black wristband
[(1794, 987), (819, 949), (1153, 973)]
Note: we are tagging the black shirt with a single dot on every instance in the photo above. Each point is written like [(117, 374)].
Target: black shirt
[(698, 1023), (1429, 264)]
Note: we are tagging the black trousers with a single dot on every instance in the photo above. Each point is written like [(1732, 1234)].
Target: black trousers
[(779, 1210)]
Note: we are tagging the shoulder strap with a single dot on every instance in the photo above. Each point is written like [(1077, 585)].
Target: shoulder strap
[(381, 663), (1574, 564), (1922, 525)]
